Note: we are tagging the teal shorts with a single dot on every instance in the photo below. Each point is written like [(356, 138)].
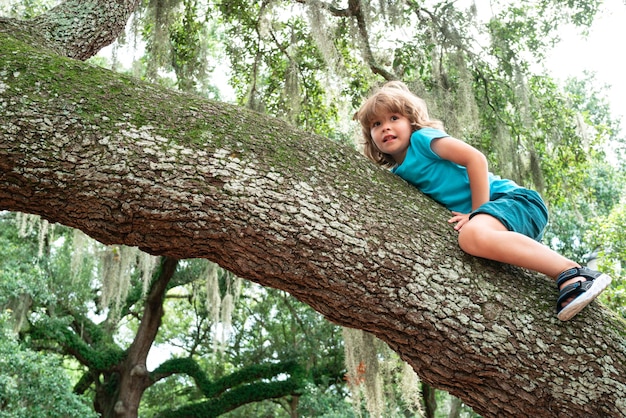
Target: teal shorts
[(521, 210)]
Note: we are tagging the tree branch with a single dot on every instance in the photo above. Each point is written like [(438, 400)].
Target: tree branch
[(249, 384), (81, 28), (137, 164), (356, 9)]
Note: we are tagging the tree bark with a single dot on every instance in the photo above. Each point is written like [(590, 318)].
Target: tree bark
[(80, 28), (136, 164), (134, 377), (430, 400)]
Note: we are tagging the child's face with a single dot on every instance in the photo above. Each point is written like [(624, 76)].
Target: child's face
[(391, 133)]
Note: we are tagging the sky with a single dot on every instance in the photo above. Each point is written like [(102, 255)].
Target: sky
[(602, 52)]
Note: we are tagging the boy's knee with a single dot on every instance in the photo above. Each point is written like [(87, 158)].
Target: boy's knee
[(471, 239)]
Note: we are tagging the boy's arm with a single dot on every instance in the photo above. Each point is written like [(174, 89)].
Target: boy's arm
[(474, 161)]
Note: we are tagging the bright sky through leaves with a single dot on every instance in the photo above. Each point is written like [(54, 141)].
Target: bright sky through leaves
[(601, 52)]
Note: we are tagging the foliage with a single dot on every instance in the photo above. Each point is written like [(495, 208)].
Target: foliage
[(267, 325), (276, 64), (608, 237), (33, 384), (182, 46), (224, 375), (572, 219), (324, 402), (27, 9), (584, 227)]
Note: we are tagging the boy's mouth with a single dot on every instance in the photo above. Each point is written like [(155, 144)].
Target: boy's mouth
[(388, 138)]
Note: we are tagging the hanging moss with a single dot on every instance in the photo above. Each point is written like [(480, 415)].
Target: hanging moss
[(363, 369)]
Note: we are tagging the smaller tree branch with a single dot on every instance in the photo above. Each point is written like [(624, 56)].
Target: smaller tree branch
[(357, 11), (86, 380), (102, 358), (153, 312), (249, 384), (79, 28), (235, 398)]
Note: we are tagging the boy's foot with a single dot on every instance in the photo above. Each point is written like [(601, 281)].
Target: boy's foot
[(579, 294)]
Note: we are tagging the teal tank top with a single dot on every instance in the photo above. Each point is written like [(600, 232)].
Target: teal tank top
[(442, 180)]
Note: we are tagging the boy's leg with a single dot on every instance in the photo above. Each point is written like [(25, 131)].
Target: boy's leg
[(485, 236)]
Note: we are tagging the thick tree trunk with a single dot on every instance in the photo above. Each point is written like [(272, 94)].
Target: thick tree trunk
[(176, 175), (134, 378)]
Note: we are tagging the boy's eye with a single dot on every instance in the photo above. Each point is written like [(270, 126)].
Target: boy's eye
[(395, 117), (375, 124)]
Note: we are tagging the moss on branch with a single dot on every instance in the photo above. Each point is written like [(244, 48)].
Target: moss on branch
[(251, 384)]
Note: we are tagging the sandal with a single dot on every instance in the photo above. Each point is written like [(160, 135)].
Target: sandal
[(582, 292)]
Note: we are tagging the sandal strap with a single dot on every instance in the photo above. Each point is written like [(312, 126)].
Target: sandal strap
[(572, 291), (587, 273)]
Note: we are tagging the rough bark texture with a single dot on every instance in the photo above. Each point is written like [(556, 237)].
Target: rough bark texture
[(81, 28), (176, 175)]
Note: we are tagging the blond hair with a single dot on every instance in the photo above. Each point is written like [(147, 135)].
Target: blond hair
[(392, 97)]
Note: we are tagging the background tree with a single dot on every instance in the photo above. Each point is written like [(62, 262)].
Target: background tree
[(63, 325), (31, 383)]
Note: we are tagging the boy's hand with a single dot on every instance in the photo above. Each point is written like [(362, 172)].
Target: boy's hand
[(460, 219)]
